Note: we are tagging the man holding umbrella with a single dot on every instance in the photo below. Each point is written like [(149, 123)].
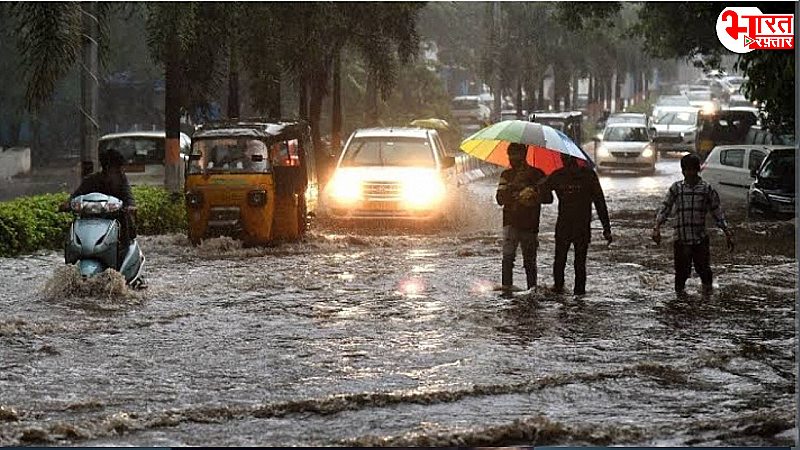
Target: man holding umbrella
[(518, 195), (577, 188)]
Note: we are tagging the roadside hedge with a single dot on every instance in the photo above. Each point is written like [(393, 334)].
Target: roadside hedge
[(29, 224)]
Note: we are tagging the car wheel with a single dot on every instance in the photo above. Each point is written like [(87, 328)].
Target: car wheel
[(650, 171)]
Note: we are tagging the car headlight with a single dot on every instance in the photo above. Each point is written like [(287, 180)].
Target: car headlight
[(345, 189), (423, 192), (603, 152), (648, 152)]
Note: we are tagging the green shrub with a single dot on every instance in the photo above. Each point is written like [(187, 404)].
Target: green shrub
[(28, 224)]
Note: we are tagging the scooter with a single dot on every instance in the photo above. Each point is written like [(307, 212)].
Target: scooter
[(93, 240)]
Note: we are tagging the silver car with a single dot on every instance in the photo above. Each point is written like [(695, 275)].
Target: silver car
[(676, 129), (626, 146)]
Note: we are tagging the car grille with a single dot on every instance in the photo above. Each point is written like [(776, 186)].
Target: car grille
[(381, 190), (626, 154), (670, 139)]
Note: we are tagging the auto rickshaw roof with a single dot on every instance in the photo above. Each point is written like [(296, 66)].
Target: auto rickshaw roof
[(258, 128)]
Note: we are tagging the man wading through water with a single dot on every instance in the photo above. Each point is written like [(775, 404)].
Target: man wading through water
[(693, 198), (521, 202), (577, 188)]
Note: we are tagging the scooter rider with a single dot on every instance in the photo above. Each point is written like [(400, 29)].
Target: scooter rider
[(112, 181)]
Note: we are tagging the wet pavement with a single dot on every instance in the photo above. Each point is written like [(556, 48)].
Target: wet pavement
[(394, 337)]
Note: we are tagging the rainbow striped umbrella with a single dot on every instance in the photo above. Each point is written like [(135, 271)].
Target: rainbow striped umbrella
[(545, 145)]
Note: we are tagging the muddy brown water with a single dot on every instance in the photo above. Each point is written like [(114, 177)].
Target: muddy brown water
[(397, 337)]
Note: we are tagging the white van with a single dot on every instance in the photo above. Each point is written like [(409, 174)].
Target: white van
[(144, 154)]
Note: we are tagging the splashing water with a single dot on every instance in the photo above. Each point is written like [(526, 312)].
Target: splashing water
[(107, 290)]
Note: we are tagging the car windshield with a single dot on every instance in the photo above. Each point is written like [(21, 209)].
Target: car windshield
[(677, 118), (626, 119), (779, 167), (245, 155), (137, 150), (678, 100), (388, 151), (625, 134), (698, 95), (465, 104)]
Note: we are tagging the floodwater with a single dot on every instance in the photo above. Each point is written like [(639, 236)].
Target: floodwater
[(398, 338)]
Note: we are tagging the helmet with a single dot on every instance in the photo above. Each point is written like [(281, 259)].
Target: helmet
[(111, 158)]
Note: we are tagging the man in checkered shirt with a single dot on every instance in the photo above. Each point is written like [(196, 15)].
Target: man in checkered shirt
[(692, 198)]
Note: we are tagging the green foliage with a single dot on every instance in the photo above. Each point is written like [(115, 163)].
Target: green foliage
[(158, 211), (31, 223), (28, 224)]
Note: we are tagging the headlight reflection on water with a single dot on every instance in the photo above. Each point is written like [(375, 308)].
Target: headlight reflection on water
[(411, 287)]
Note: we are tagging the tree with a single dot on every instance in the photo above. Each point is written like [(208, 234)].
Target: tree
[(188, 39)]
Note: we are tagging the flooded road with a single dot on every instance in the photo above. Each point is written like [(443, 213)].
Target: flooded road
[(381, 337)]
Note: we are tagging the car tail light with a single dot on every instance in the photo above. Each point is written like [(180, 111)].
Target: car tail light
[(194, 199), (257, 198)]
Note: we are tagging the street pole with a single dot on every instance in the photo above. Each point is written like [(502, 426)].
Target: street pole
[(90, 127)]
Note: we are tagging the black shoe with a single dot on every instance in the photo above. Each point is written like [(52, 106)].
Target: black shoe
[(557, 289), (579, 292)]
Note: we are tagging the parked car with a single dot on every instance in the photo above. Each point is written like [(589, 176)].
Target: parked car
[(626, 146), (511, 114), (391, 174), (470, 110), (760, 135), (567, 122), (772, 194), (729, 169), (676, 129), (144, 154)]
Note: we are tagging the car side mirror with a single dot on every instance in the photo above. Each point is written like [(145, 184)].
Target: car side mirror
[(448, 161), (598, 137)]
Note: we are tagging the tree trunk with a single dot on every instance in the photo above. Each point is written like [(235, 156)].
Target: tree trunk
[(90, 126), (590, 95), (302, 111), (321, 154), (172, 116), (233, 86), (371, 101), (336, 116), (646, 85), (519, 98), (542, 106), (608, 93), (618, 94), (274, 87), (575, 90)]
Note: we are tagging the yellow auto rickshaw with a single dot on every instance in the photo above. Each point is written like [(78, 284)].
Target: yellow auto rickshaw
[(254, 180)]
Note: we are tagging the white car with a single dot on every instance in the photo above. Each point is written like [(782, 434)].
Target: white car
[(676, 129), (470, 110), (144, 154), (391, 173), (626, 146), (728, 169)]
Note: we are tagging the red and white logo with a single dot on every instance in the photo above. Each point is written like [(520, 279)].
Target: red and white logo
[(744, 29)]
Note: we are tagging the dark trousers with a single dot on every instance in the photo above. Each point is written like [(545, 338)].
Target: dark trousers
[(685, 255), (564, 239), (528, 240)]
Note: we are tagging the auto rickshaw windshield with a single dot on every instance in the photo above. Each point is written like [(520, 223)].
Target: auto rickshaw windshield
[(240, 155)]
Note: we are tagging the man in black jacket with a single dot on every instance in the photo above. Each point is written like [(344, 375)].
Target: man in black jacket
[(577, 188), (518, 195)]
